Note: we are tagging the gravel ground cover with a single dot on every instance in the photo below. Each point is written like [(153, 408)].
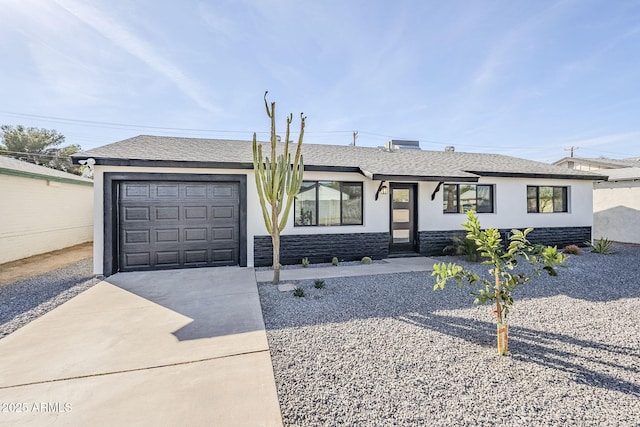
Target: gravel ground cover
[(388, 350), (27, 299)]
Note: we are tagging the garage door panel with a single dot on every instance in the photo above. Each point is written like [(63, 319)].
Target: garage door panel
[(223, 234), (137, 191), (199, 256), (168, 235), (173, 225), (197, 191), (137, 236), (195, 234), (225, 191), (192, 213), (222, 255), (137, 260), (137, 213), (168, 259), (167, 213), (167, 191)]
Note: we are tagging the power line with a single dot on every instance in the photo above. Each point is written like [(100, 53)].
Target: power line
[(53, 156), (95, 123)]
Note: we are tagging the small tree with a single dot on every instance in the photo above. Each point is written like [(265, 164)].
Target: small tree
[(276, 179), (502, 262)]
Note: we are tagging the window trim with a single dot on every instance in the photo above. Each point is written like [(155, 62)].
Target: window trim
[(316, 186), (460, 209), (565, 198)]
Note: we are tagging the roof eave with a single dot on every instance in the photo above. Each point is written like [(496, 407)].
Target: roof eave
[(540, 175)]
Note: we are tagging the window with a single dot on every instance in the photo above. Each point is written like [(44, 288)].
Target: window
[(460, 198), (547, 199), (327, 203)]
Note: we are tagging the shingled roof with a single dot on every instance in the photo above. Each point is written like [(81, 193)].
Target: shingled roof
[(375, 163)]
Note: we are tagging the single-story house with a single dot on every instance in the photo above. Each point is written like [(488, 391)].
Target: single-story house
[(167, 202), (616, 200), (42, 209)]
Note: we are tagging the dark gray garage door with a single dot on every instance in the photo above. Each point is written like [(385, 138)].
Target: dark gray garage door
[(177, 224)]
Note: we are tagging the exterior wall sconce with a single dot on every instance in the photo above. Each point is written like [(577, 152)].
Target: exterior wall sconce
[(382, 189)]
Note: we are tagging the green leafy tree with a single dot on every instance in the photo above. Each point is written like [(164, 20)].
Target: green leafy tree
[(38, 146), (278, 181), (499, 289)]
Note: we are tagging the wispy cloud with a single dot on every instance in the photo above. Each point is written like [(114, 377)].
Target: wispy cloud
[(605, 139), (141, 49)]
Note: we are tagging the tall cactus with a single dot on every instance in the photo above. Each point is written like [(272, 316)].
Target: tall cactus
[(275, 178)]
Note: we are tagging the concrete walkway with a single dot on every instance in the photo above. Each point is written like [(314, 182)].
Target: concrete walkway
[(386, 266), (163, 348)]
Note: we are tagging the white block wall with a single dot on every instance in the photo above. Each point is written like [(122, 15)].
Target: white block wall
[(38, 216), (616, 211)]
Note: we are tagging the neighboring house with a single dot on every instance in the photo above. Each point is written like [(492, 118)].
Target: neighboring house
[(42, 209), (165, 202), (616, 201)]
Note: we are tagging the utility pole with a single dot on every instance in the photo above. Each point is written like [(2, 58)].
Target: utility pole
[(572, 149), (355, 135)]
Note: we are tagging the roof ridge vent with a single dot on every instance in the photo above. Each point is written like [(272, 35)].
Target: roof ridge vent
[(449, 148)]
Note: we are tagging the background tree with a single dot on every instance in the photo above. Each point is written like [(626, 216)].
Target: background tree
[(38, 146), (278, 181)]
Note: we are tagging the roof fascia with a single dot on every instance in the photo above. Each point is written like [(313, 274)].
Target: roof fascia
[(540, 175)]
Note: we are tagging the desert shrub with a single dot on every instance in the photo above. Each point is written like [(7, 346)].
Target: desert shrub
[(298, 292), (601, 246), (335, 261), (367, 260), (318, 284), (305, 262), (571, 249), (464, 246)]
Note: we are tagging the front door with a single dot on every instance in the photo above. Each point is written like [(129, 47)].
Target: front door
[(403, 218)]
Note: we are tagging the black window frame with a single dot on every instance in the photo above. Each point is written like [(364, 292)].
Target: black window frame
[(565, 198), (460, 207), (316, 185)]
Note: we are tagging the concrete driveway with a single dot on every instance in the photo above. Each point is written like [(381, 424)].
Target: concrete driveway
[(175, 347)]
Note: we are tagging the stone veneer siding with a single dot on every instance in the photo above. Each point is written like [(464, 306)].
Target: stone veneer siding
[(321, 248), (432, 243)]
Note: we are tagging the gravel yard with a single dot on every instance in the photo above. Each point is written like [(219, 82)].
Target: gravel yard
[(388, 350), (27, 299)]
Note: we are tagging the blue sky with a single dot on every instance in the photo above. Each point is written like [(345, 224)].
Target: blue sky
[(522, 78)]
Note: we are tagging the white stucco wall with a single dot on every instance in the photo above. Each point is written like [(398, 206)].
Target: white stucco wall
[(616, 211), (38, 216), (510, 196), (511, 208)]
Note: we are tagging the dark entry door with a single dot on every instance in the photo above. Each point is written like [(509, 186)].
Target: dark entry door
[(403, 227), (165, 224)]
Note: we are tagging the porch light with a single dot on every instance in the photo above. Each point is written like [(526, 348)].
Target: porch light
[(382, 189)]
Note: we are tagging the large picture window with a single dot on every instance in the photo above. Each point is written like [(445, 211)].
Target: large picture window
[(327, 203), (461, 198), (547, 199)]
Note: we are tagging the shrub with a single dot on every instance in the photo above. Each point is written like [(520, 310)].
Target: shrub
[(335, 261), (463, 245), (571, 249), (298, 292), (601, 246), (367, 260), (318, 284), (305, 262)]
